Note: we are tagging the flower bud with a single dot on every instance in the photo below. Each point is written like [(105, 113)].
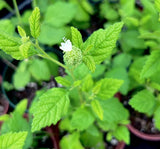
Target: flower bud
[(73, 57)]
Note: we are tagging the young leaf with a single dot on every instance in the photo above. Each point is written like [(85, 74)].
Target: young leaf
[(34, 22), (144, 102), (24, 48), (109, 87), (89, 61), (96, 88), (103, 42), (21, 31), (152, 64), (76, 38), (122, 134), (63, 81), (71, 142), (81, 119), (21, 107), (51, 106), (97, 108), (13, 140)]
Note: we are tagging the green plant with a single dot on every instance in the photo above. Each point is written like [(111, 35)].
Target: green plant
[(85, 105)]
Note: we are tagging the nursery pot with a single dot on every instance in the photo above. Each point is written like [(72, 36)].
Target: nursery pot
[(149, 137)]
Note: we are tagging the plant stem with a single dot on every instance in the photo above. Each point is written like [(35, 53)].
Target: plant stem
[(45, 55), (17, 11), (9, 64), (9, 8), (79, 92)]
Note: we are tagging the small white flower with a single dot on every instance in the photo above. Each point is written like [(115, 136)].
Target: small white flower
[(66, 45)]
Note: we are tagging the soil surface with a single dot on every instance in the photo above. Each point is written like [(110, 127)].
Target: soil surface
[(29, 91)]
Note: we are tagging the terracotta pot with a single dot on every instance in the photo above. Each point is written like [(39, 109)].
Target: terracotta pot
[(120, 145), (150, 137)]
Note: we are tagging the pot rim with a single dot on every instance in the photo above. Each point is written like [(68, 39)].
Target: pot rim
[(142, 135)]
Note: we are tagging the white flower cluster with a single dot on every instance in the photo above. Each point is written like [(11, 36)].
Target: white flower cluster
[(66, 45)]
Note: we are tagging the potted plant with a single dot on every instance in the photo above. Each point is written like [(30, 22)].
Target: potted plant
[(84, 107)]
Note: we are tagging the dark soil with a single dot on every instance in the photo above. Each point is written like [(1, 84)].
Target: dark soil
[(29, 91), (140, 121)]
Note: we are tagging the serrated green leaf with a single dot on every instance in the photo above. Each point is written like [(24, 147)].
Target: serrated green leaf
[(34, 22), (63, 81), (21, 31), (143, 102), (81, 119), (152, 64), (89, 61), (71, 142), (17, 123), (51, 106), (24, 48), (13, 140), (157, 4), (103, 42), (76, 38), (87, 83), (109, 87), (122, 134), (157, 118), (114, 112), (10, 45), (97, 108)]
